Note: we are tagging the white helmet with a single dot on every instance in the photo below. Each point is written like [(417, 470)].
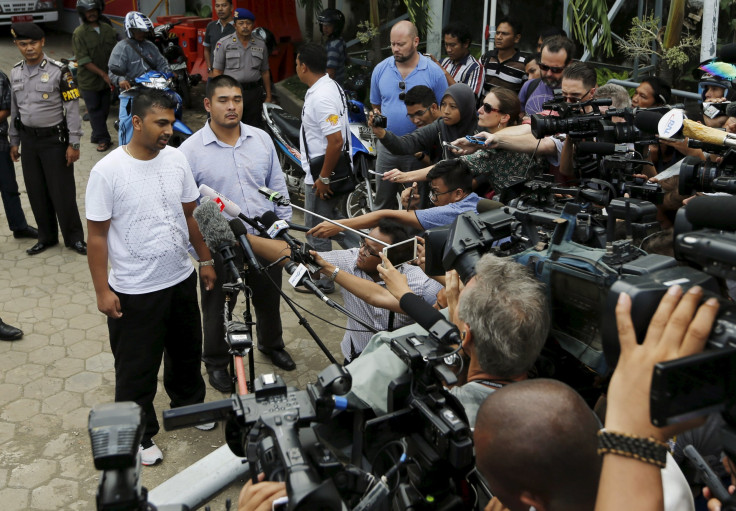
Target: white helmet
[(135, 19)]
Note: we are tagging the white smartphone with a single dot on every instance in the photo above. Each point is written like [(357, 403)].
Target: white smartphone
[(401, 253)]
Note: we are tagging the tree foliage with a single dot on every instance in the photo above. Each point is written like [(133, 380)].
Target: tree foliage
[(645, 31), (587, 17)]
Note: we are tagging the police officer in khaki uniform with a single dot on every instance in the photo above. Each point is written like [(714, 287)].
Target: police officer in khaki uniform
[(44, 120), (244, 57)]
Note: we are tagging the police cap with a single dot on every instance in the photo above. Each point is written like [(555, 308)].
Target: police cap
[(26, 31), (243, 14)]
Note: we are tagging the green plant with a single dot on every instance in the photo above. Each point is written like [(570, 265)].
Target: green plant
[(644, 32), (605, 74), (366, 32), (587, 18)]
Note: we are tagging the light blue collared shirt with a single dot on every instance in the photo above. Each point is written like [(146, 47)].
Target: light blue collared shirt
[(237, 172)]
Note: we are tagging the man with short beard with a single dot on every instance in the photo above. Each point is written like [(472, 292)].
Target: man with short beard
[(557, 53), (236, 159), (140, 202), (217, 29), (390, 81)]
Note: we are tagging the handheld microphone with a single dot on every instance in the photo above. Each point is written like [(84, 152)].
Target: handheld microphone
[(217, 234), (228, 206), (731, 109), (239, 230), (274, 196), (430, 319), (647, 121), (279, 229), (692, 129), (700, 213)]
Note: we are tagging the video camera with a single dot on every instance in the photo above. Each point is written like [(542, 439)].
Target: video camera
[(708, 176)]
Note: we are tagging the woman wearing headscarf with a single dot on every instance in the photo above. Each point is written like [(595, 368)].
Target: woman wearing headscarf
[(459, 118)]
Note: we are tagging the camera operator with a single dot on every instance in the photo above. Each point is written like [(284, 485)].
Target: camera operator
[(362, 264), (503, 318), (451, 193), (528, 463), (578, 84)]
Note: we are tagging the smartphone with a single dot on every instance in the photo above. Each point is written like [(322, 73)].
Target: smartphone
[(475, 140), (447, 144), (401, 253)]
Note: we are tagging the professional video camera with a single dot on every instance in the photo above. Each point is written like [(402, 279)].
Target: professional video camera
[(571, 118), (707, 176), (579, 279)]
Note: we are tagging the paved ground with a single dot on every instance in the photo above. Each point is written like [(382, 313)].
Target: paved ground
[(63, 366)]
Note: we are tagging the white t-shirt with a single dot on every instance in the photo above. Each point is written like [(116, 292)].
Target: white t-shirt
[(148, 236), (324, 113)]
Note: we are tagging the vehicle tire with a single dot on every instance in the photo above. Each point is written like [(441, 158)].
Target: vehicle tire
[(356, 202)]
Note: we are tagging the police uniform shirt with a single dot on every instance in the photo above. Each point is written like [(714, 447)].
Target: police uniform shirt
[(42, 95), (243, 64)]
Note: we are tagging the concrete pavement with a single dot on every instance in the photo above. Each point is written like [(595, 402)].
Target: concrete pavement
[(51, 378)]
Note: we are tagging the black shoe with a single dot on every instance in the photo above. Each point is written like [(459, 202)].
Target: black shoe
[(220, 380), (9, 333), (40, 247), (280, 358), (29, 232), (79, 247)]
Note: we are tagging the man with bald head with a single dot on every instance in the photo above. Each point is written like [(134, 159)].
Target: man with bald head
[(535, 443), (391, 78)]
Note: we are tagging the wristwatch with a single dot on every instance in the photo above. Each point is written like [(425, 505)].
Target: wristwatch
[(211, 262), (74, 146), (333, 276), (325, 180)]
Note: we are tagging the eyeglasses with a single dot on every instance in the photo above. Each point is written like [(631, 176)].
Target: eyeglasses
[(544, 68), (365, 248), (487, 108), (402, 88), (418, 114), (433, 195), (575, 99)]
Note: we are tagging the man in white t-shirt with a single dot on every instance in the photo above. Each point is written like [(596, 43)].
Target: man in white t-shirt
[(139, 203), (324, 126)]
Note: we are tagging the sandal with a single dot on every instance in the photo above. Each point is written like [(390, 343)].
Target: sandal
[(103, 146)]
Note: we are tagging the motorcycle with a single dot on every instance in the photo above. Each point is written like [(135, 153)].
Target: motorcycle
[(156, 80), (167, 43), (284, 130)]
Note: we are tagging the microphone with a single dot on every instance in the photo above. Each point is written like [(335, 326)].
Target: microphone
[(430, 319), (692, 129), (279, 229), (700, 213), (731, 109), (601, 148), (217, 234), (274, 196), (647, 121), (228, 206), (239, 230)]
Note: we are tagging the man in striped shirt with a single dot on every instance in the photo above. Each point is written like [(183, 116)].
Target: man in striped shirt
[(459, 65), (505, 66)]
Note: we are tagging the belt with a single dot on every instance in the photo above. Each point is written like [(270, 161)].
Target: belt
[(44, 132), (251, 85)]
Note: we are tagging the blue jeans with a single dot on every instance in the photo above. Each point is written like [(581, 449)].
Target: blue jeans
[(330, 209), (125, 128)]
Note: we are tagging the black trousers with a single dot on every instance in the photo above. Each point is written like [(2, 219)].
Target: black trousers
[(253, 106), (10, 194), (51, 188), (98, 107), (266, 300), (167, 323)]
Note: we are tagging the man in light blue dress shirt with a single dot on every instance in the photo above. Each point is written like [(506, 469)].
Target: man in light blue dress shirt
[(236, 159)]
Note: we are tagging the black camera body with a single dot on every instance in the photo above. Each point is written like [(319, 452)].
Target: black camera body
[(707, 176), (379, 121)]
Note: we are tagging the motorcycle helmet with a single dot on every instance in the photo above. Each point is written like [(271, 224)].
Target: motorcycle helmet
[(267, 36), (87, 5), (333, 17), (708, 79), (137, 20)]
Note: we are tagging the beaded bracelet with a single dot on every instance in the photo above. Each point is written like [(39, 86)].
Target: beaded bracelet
[(647, 450)]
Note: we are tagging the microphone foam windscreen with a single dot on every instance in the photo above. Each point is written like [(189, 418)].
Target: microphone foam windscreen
[(647, 121), (212, 225), (712, 213)]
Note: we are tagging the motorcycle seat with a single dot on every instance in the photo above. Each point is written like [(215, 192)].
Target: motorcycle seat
[(288, 124)]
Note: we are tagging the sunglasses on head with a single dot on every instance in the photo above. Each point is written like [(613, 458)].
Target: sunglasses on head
[(546, 68), (402, 88), (488, 108)]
